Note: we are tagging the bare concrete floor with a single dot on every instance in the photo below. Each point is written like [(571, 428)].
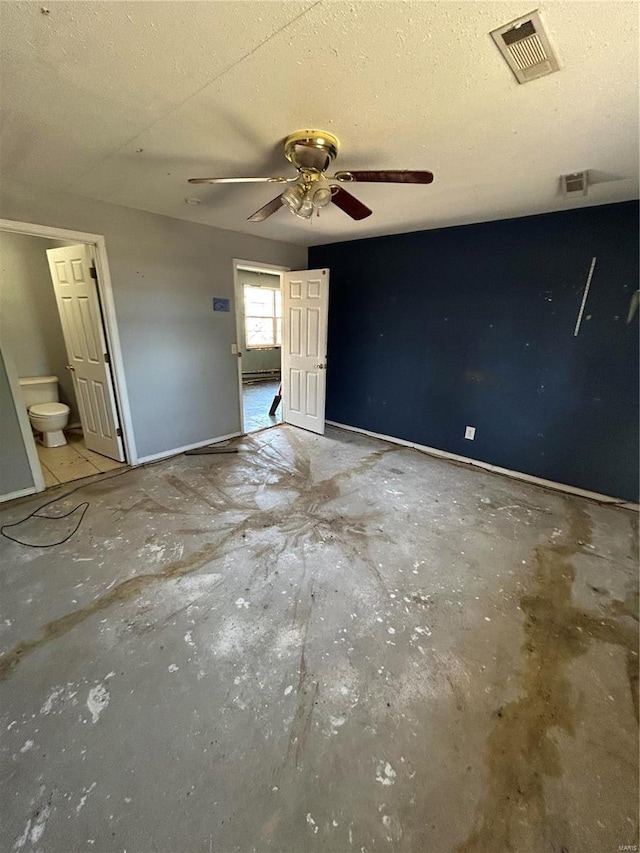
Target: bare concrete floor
[(320, 644)]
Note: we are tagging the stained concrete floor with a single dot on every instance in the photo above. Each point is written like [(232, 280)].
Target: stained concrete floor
[(320, 644), (257, 398)]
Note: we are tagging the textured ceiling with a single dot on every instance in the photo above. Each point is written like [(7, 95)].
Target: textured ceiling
[(124, 101)]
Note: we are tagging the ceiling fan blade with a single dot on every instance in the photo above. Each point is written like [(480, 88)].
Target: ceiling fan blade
[(387, 176), (269, 208), (352, 206), (279, 180)]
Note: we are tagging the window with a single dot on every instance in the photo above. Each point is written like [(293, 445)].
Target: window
[(262, 316)]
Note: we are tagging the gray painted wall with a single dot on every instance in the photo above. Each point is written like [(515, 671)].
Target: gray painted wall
[(255, 359), (29, 320), (15, 472), (181, 376)]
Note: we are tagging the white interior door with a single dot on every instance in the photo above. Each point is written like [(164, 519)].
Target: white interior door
[(305, 306), (79, 308)]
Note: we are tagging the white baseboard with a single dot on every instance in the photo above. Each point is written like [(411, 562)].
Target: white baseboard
[(21, 493), (176, 451), (496, 469)]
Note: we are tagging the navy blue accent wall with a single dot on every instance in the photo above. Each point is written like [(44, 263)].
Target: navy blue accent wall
[(473, 325)]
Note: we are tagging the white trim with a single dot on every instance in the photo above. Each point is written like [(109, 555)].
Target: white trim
[(496, 469), (34, 230), (176, 451), (250, 266), (258, 266), (22, 493), (264, 346), (25, 427), (97, 241)]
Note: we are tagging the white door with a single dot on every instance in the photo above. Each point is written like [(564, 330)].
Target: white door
[(79, 308), (305, 305)]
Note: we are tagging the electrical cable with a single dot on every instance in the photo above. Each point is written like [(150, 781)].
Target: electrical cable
[(35, 514), (85, 506)]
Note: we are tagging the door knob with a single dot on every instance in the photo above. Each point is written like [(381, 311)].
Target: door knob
[(320, 366), (70, 367)]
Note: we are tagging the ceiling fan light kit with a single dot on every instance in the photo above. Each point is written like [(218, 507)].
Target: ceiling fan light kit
[(312, 152), (320, 193), (297, 200), (303, 198)]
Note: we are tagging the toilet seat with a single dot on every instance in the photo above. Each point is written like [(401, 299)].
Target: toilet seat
[(49, 410)]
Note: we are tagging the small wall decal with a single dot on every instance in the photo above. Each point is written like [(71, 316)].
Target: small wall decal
[(220, 304)]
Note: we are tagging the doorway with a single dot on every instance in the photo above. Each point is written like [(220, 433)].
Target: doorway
[(58, 333), (258, 299)]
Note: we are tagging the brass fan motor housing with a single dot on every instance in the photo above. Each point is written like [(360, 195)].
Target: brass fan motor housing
[(316, 142)]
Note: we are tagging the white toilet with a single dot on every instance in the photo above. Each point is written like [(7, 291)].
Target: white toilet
[(47, 414)]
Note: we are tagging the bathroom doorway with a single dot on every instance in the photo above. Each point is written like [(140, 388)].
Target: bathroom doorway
[(59, 342), (258, 297)]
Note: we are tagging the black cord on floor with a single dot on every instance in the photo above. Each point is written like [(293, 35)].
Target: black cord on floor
[(36, 514), (85, 506)]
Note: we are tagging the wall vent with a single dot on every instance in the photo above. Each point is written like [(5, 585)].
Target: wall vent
[(574, 185), (526, 48)]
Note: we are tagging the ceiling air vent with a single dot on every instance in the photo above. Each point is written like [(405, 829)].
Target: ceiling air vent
[(574, 185), (526, 48)]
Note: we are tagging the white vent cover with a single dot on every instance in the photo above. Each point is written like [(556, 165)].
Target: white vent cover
[(526, 48), (574, 185)]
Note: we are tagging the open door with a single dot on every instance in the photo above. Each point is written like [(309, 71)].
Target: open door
[(79, 307), (305, 306)]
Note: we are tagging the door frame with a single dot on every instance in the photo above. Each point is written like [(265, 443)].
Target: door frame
[(249, 266), (112, 337)]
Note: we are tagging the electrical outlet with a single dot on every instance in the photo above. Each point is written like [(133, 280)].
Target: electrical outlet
[(470, 433)]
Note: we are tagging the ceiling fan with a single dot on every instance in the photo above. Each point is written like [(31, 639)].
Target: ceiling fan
[(312, 152)]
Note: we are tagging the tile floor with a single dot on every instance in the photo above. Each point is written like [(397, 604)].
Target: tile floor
[(257, 398), (72, 461)]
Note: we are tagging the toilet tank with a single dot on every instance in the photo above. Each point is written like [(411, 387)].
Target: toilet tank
[(39, 389)]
